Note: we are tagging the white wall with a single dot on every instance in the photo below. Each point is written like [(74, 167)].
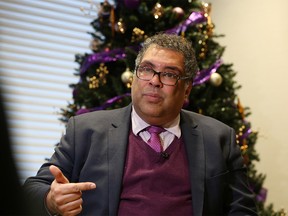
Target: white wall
[(256, 40)]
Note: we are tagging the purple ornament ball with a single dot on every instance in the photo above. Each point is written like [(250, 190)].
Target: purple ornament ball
[(132, 4)]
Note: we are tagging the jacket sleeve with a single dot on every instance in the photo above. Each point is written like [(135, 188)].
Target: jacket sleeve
[(242, 199), (228, 188), (37, 187)]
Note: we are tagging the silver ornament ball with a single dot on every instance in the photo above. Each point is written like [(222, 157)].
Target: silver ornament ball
[(127, 76), (216, 79), (179, 12)]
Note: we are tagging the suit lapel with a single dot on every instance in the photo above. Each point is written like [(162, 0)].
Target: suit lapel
[(117, 144), (193, 140)]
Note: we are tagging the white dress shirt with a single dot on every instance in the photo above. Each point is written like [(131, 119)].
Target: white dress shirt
[(139, 125)]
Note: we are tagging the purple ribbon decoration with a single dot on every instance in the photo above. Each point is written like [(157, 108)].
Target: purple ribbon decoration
[(106, 56), (204, 75), (194, 18), (246, 134), (262, 194), (107, 104), (261, 197)]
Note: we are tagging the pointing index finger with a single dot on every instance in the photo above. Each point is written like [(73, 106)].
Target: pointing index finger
[(84, 186)]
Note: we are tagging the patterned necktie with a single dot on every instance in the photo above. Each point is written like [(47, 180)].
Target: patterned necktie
[(154, 141)]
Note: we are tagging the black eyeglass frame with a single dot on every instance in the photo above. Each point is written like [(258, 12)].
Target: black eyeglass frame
[(159, 73)]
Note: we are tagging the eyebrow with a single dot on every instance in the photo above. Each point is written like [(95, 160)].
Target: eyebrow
[(148, 63)]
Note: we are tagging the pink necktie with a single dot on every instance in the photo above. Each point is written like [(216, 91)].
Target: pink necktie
[(154, 141)]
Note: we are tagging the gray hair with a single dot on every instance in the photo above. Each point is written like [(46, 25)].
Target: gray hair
[(173, 42)]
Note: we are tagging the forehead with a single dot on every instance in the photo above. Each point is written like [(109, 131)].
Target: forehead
[(160, 56)]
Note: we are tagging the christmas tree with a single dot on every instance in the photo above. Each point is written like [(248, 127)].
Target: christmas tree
[(105, 75)]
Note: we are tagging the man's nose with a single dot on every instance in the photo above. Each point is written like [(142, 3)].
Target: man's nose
[(156, 81)]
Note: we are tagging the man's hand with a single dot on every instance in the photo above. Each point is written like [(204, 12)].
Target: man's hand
[(65, 198)]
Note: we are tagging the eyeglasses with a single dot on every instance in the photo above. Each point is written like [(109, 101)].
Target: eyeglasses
[(166, 78)]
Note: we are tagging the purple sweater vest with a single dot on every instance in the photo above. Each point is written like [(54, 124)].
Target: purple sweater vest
[(153, 185)]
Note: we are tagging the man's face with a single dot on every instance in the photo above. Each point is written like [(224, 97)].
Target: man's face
[(155, 103)]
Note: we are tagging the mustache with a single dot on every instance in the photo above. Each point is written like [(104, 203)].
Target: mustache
[(151, 90), (154, 92)]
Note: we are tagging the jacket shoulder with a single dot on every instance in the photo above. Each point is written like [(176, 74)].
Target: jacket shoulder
[(201, 119), (103, 117)]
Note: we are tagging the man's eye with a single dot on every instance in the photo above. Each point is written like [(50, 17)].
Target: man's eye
[(147, 70), (169, 75)]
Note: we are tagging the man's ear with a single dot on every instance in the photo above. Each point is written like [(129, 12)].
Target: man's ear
[(188, 89)]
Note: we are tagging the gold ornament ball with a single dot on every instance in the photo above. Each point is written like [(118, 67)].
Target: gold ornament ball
[(216, 79), (127, 76)]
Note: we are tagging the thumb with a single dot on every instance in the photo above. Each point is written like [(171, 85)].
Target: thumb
[(58, 175)]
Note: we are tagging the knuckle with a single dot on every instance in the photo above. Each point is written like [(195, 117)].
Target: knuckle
[(57, 200), (76, 188), (57, 190)]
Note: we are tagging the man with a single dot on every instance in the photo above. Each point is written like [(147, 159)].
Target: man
[(195, 169)]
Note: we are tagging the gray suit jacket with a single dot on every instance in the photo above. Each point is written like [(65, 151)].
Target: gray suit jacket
[(94, 148)]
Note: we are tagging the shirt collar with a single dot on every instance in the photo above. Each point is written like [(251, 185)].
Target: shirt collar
[(139, 124)]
